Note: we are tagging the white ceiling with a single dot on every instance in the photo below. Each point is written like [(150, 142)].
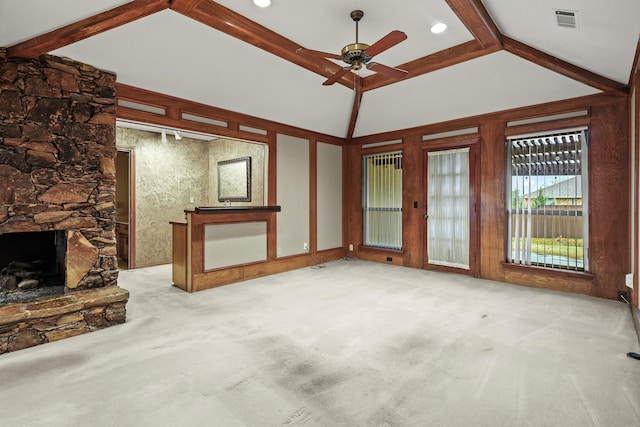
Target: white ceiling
[(605, 41), (169, 53)]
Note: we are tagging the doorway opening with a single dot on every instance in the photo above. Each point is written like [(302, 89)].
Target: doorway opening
[(450, 243), (124, 208)]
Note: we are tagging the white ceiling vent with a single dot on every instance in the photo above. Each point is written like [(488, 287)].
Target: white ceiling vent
[(566, 18)]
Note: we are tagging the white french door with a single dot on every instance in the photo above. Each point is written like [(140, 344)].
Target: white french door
[(448, 208)]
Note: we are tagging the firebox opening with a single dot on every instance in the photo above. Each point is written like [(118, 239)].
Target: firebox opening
[(32, 265)]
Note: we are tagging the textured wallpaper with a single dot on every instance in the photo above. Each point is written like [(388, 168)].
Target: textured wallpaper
[(168, 175), (228, 149)]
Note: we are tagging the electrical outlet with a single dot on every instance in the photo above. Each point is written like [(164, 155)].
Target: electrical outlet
[(279, 251), (305, 247), (192, 199), (351, 247), (628, 280)]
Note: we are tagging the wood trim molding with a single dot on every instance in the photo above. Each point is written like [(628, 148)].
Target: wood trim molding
[(130, 150), (399, 146), (539, 277), (545, 109), (635, 68), (451, 142), (476, 18), (562, 67), (86, 28), (223, 19), (174, 107), (546, 125), (313, 197), (164, 121), (635, 165)]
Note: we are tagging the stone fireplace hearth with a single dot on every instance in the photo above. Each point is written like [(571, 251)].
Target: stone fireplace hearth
[(57, 169)]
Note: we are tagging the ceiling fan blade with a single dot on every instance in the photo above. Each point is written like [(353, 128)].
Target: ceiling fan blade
[(317, 53), (331, 80), (396, 73), (388, 41)]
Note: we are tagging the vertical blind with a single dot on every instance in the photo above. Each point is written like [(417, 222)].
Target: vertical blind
[(547, 200), (448, 208), (382, 200)]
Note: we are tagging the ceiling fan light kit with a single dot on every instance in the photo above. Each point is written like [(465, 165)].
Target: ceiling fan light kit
[(358, 54)]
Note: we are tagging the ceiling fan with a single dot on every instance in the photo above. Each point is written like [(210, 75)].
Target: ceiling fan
[(359, 54)]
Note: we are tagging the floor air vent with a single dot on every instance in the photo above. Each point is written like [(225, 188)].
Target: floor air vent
[(566, 18)]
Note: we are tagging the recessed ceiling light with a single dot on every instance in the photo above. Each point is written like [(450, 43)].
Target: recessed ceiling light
[(262, 3), (438, 27)]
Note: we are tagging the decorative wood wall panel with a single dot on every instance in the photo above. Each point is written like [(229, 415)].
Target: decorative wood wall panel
[(609, 198), (413, 223), (609, 221), (493, 219), (636, 167)]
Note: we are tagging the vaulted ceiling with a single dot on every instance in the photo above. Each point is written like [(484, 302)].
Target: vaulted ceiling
[(494, 55)]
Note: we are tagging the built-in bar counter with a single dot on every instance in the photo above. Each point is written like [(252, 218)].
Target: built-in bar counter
[(221, 245)]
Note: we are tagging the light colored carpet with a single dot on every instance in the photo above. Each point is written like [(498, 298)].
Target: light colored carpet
[(352, 344)]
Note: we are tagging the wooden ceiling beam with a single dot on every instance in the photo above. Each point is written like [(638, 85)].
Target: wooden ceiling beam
[(476, 18), (229, 22), (357, 101), (85, 28), (635, 68), (562, 67), (445, 58)]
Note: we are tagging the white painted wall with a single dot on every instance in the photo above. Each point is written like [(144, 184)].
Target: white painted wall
[(292, 161), (329, 189)]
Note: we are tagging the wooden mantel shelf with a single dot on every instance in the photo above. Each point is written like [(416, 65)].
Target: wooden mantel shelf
[(232, 209)]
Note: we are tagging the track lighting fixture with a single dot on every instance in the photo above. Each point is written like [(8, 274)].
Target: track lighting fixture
[(177, 135), (164, 137)]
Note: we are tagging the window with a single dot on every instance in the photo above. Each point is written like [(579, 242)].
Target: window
[(382, 200), (547, 200)]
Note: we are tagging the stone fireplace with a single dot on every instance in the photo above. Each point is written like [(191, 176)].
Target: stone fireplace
[(32, 264), (58, 268)]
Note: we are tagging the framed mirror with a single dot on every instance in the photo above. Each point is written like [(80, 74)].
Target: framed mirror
[(234, 180)]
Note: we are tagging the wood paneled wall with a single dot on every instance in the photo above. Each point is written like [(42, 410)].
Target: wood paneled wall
[(609, 198), (493, 218), (608, 120), (634, 84), (413, 223)]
